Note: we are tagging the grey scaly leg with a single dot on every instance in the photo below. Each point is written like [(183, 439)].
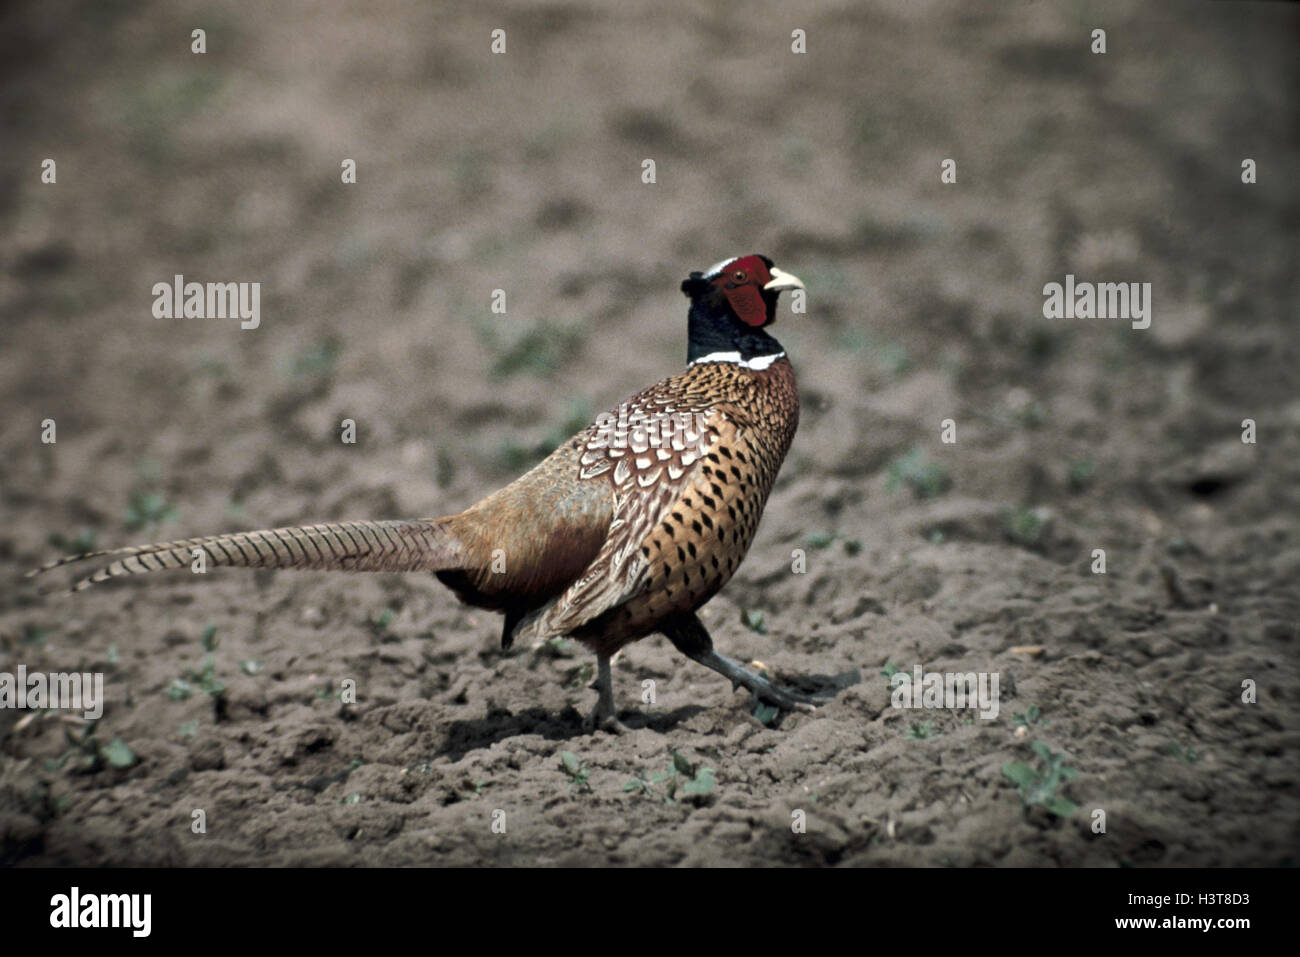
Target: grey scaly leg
[(604, 716), (690, 637)]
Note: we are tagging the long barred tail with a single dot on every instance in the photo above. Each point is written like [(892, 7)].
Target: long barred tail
[(390, 546)]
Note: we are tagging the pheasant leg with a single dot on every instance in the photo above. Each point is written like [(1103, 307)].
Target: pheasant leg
[(690, 637), (604, 716)]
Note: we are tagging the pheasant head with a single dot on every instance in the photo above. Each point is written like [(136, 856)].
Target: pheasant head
[(731, 304)]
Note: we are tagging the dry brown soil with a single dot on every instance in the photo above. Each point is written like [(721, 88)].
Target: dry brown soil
[(522, 172)]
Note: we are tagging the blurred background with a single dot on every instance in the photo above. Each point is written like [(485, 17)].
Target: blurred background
[(522, 171)]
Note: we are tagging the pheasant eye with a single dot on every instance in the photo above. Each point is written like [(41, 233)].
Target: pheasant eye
[(739, 275)]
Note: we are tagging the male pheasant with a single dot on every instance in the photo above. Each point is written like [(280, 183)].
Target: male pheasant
[(624, 530)]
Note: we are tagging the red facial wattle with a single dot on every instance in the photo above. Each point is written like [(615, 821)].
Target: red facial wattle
[(742, 283)]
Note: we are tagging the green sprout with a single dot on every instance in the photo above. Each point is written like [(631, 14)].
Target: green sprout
[(576, 770), (694, 781), (1038, 785)]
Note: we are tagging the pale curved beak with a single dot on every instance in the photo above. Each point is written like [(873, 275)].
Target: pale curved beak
[(782, 281)]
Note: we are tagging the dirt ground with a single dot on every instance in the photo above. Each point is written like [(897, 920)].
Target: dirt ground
[(522, 171)]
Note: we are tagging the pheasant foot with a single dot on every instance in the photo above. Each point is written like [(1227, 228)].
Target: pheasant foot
[(690, 637)]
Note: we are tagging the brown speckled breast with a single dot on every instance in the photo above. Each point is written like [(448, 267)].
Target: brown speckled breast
[(698, 538)]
